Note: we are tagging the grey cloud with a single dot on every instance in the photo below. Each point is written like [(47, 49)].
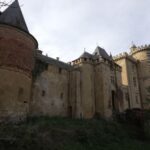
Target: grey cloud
[(65, 27)]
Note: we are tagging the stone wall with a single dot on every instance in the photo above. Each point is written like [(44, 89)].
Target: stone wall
[(16, 49), (116, 86), (107, 91), (15, 90), (16, 65), (75, 109), (131, 80), (103, 90), (99, 90), (87, 90), (143, 56), (126, 98), (51, 92)]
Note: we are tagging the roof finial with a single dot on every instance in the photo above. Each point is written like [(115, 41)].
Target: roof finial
[(84, 49), (111, 57), (110, 54), (133, 45)]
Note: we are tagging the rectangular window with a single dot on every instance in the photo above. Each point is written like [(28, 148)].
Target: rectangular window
[(46, 66), (134, 81), (60, 70), (43, 93)]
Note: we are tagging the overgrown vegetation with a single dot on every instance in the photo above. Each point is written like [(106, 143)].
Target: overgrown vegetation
[(44, 133)]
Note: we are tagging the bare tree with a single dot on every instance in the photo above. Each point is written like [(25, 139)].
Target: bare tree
[(4, 3)]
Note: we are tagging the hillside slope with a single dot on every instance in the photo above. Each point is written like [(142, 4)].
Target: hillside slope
[(45, 133)]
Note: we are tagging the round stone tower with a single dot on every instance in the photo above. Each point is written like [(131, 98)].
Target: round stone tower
[(142, 54), (17, 48)]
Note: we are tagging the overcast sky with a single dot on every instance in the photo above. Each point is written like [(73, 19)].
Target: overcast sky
[(64, 28)]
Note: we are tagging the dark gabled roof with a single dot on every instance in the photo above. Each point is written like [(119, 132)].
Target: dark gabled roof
[(102, 53), (52, 61), (86, 55), (14, 17)]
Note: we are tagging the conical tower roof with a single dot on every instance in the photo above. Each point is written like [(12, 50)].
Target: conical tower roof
[(13, 16), (101, 52)]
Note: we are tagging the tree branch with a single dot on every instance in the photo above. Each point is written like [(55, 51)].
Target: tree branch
[(3, 3)]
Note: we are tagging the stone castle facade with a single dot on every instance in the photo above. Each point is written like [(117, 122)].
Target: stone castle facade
[(32, 84)]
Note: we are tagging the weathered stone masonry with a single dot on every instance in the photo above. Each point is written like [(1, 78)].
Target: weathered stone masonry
[(97, 84)]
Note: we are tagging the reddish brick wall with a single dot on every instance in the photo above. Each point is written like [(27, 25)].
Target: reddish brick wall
[(16, 49)]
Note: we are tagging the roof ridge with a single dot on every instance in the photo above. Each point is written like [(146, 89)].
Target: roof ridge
[(53, 61)]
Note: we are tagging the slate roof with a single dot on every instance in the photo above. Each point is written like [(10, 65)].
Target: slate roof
[(53, 61), (102, 53), (98, 53), (13, 16), (86, 55)]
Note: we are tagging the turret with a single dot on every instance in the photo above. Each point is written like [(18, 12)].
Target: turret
[(142, 54), (17, 48)]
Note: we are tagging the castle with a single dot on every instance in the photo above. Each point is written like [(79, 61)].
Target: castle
[(32, 84)]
